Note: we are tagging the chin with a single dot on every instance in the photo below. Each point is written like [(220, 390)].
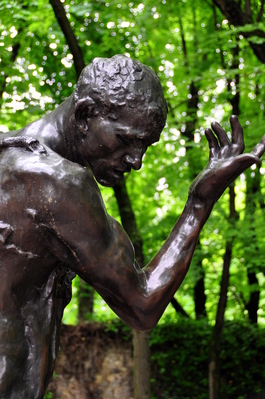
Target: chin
[(105, 176), (107, 183)]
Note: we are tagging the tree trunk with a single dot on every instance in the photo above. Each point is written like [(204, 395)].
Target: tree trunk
[(141, 365), (178, 308), (69, 35), (86, 301), (128, 219), (253, 304), (253, 187), (86, 293), (236, 16), (199, 287), (191, 121), (141, 354), (215, 344)]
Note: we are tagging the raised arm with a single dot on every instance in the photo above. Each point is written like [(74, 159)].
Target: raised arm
[(104, 255), (166, 271)]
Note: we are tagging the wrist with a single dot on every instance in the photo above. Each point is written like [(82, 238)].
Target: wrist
[(200, 208), (200, 202)]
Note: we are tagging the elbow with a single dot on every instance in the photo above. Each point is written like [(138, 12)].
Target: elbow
[(142, 327), (142, 322), (141, 315)]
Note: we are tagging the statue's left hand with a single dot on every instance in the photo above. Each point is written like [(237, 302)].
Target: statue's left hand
[(226, 161)]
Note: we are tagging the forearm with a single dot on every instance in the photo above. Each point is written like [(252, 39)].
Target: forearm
[(166, 271), (142, 295), (180, 244)]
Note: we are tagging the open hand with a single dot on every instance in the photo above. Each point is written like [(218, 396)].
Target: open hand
[(226, 161)]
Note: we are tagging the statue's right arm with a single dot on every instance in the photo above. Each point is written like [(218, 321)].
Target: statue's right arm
[(104, 256)]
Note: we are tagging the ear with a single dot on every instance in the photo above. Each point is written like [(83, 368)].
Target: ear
[(84, 110)]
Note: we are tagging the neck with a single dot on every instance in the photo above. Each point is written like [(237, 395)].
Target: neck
[(63, 120), (56, 130)]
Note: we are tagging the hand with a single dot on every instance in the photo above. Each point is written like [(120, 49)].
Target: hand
[(226, 161)]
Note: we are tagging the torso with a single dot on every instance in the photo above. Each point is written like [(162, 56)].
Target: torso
[(35, 282)]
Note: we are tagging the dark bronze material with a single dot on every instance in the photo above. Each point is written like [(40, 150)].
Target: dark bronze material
[(53, 222)]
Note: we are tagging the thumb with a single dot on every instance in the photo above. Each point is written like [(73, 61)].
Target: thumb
[(259, 150), (239, 165)]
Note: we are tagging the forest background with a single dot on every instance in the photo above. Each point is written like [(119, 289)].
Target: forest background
[(209, 56)]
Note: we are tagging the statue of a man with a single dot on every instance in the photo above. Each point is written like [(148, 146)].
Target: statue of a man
[(53, 222)]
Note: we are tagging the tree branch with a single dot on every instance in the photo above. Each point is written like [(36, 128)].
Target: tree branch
[(69, 35), (260, 11), (178, 308), (233, 12), (248, 8)]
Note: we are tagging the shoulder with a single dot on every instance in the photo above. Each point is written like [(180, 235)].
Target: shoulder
[(42, 161), (62, 193), (40, 172)]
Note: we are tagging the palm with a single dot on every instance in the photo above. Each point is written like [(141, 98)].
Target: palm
[(226, 161)]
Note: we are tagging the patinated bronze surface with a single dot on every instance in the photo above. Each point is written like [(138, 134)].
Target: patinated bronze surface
[(53, 222)]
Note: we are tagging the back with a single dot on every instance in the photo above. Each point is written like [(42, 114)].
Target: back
[(27, 185), (35, 281)]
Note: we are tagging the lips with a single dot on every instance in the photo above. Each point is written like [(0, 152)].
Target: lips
[(118, 174), (111, 176)]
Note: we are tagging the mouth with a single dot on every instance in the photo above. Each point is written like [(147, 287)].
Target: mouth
[(111, 179), (118, 174), (112, 176)]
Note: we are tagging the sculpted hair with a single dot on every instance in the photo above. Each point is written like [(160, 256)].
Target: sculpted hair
[(107, 84)]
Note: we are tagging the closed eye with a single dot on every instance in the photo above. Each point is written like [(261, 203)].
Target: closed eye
[(133, 142), (124, 140)]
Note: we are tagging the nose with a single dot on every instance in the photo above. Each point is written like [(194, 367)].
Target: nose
[(133, 160)]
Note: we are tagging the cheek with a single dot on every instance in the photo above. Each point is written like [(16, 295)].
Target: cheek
[(110, 154)]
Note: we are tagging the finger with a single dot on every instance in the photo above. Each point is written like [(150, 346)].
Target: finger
[(237, 133), (249, 159), (221, 134), (238, 166), (260, 148), (212, 141), (244, 161)]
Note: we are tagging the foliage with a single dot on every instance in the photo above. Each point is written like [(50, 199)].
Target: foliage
[(186, 44), (180, 360), (41, 75)]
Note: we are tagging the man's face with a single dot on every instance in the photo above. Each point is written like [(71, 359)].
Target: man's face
[(112, 147)]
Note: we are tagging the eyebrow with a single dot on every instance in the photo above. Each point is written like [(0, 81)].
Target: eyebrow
[(149, 137), (129, 132), (132, 137)]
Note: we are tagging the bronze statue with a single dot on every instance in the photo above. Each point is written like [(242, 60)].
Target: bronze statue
[(53, 222)]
